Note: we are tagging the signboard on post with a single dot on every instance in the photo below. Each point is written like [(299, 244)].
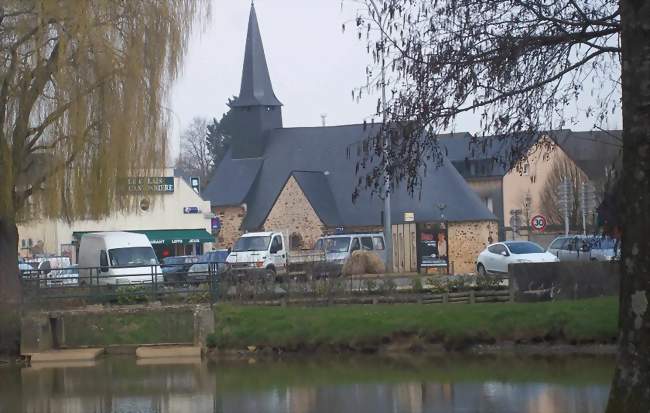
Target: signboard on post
[(215, 223), (409, 216), (538, 223)]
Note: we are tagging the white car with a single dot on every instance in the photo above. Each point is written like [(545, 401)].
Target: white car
[(496, 257)]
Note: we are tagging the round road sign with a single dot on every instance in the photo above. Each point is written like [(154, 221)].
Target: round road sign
[(538, 223)]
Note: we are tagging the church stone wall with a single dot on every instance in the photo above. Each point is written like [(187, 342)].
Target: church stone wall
[(231, 219), (293, 214)]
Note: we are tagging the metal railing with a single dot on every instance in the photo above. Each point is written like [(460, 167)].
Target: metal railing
[(215, 282), (120, 284)]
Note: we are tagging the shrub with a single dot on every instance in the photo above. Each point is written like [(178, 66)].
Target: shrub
[(211, 340)]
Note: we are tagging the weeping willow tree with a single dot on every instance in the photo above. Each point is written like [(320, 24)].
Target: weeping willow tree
[(82, 91)]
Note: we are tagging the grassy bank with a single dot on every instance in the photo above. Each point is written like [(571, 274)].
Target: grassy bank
[(368, 327)]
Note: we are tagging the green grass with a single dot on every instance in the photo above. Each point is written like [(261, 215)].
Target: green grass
[(128, 329), (582, 321)]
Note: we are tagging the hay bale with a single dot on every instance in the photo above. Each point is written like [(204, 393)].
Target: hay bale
[(363, 262), (374, 264)]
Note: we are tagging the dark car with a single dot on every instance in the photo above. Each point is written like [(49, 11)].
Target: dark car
[(211, 261), (175, 269)]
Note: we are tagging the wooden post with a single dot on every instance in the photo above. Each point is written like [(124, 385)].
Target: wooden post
[(472, 297), (445, 298)]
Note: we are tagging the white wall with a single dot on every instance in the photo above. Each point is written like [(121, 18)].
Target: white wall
[(165, 212)]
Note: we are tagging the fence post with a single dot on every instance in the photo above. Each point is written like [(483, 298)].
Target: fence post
[(445, 298), (154, 282), (212, 283), (472, 297)]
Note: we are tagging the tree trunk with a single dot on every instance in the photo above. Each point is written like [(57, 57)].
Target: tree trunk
[(10, 287), (631, 385)]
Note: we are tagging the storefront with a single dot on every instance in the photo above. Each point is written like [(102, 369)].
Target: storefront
[(177, 220), (170, 242), (433, 254)]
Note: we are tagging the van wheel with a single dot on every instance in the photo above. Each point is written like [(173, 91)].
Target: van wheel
[(481, 270)]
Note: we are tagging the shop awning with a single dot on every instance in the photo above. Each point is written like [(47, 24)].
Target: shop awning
[(166, 236)]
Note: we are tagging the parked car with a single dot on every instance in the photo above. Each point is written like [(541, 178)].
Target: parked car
[(201, 270), (267, 250), (113, 258), (584, 248), (26, 270), (496, 257), (175, 269), (605, 249), (338, 248), (64, 277)]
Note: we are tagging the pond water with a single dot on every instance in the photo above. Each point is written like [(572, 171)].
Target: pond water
[(344, 385)]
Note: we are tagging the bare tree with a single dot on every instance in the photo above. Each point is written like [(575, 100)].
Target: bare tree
[(520, 64), (194, 157), (82, 88), (550, 206)]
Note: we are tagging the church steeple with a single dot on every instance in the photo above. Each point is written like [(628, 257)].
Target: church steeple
[(256, 88), (256, 111)]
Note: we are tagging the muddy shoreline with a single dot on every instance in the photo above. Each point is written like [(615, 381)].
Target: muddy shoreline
[(414, 348)]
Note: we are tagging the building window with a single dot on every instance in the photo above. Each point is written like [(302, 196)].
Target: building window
[(489, 203), (526, 169)]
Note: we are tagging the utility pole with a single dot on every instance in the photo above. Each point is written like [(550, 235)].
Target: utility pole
[(565, 195), (388, 231), (515, 222)]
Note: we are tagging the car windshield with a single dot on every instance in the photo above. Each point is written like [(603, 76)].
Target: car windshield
[(339, 244), (524, 248), (259, 243), (132, 256), (603, 244), (216, 256)]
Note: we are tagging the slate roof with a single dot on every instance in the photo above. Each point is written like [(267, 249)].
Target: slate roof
[(316, 187), (490, 156), (319, 156), (592, 151), (256, 88), (232, 181)]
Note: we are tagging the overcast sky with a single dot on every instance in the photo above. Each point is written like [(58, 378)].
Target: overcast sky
[(314, 66)]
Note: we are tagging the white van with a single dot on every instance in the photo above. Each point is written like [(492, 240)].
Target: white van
[(117, 258), (267, 250), (338, 248)]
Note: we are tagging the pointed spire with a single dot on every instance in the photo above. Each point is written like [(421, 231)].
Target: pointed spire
[(256, 88)]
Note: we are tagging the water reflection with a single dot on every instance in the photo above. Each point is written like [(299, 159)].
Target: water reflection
[(301, 386)]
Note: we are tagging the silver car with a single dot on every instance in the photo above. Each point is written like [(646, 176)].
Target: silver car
[(338, 248), (584, 248)]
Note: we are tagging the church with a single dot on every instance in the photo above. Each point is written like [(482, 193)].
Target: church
[(301, 180)]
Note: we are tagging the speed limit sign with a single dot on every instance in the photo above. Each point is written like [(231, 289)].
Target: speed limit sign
[(538, 223)]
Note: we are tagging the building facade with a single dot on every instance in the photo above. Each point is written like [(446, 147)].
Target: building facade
[(174, 217)]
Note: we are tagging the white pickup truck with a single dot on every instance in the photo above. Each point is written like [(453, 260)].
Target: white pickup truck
[(267, 250)]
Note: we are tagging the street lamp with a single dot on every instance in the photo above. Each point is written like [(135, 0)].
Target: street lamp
[(388, 233)]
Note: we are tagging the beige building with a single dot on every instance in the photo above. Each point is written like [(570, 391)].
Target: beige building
[(506, 181), (172, 214)]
